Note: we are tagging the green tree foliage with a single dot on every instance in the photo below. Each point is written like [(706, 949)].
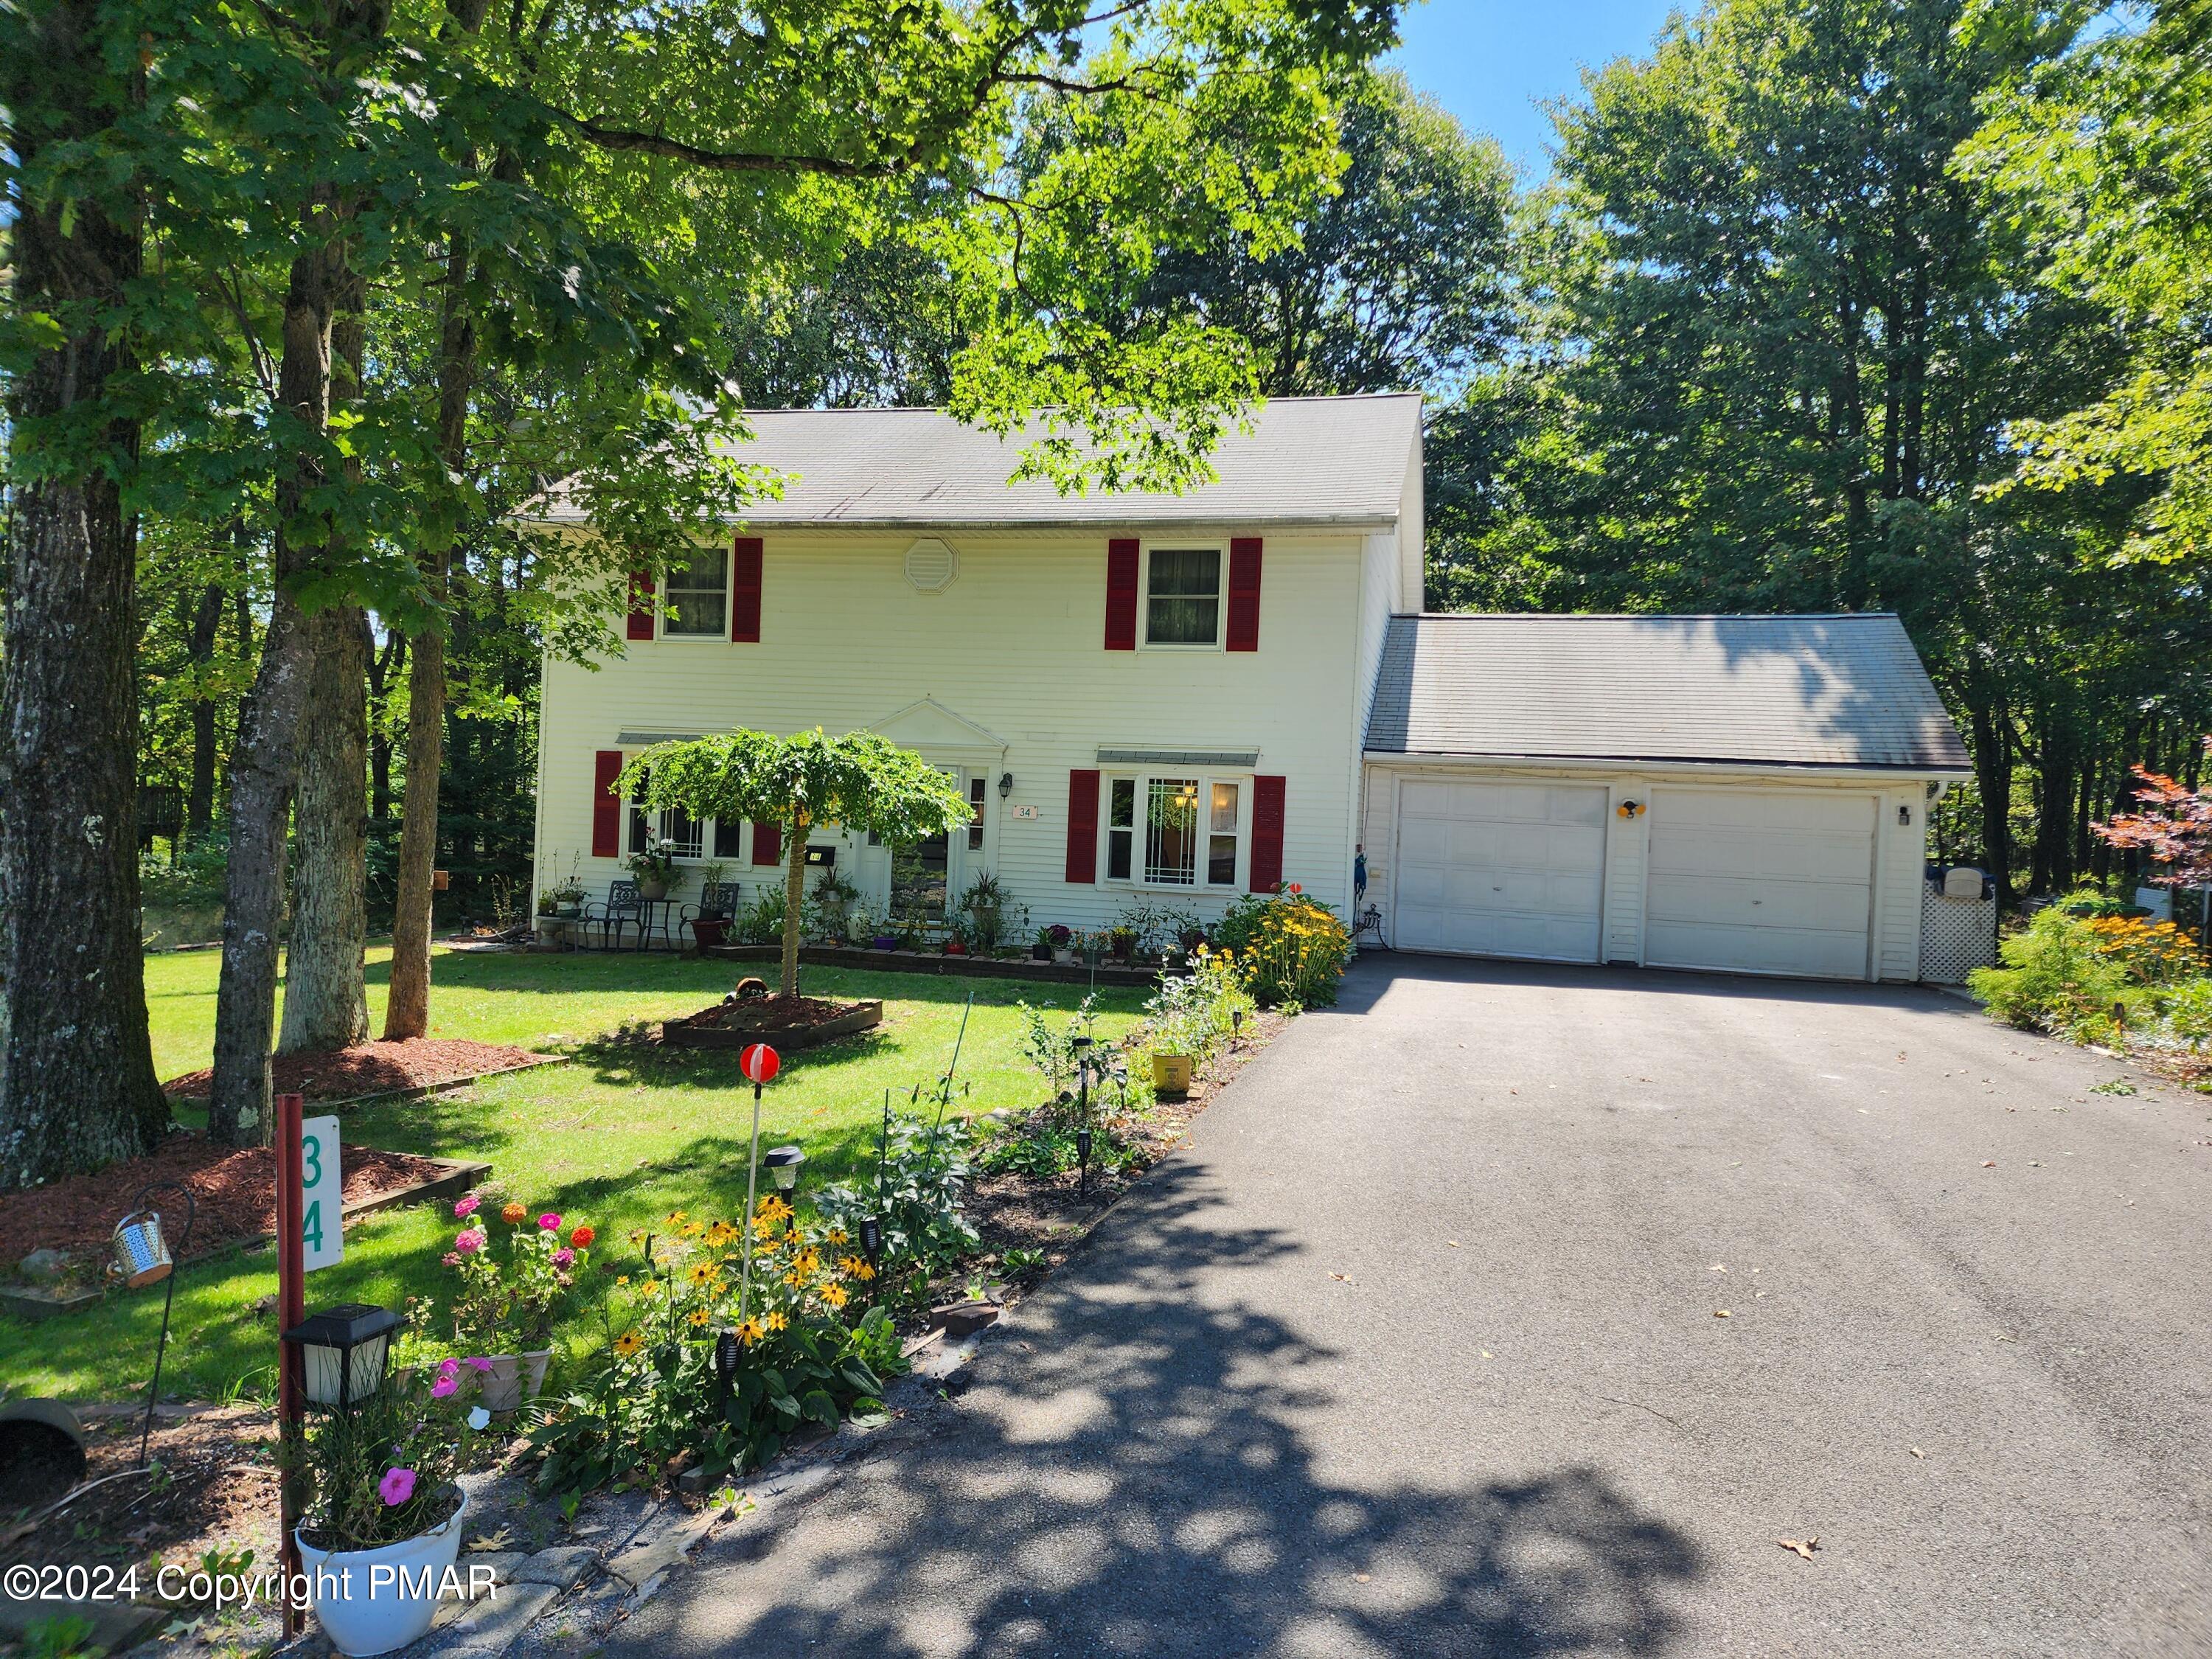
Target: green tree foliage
[(1779, 339), (860, 782)]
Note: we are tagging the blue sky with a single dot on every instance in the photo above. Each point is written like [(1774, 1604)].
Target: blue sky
[(1490, 61)]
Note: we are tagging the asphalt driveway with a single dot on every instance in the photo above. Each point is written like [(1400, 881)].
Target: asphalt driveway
[(1417, 1350)]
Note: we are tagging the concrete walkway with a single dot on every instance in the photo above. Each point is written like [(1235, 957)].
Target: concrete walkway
[(1416, 1350)]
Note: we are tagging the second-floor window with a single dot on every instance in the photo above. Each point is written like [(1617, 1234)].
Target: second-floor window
[(1182, 596), (698, 597)]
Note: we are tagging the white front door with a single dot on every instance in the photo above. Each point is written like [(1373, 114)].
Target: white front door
[(1500, 869), (1760, 881)]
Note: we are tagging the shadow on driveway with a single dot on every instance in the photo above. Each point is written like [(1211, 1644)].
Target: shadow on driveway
[(1131, 1471)]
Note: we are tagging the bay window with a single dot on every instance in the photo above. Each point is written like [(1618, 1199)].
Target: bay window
[(1175, 829)]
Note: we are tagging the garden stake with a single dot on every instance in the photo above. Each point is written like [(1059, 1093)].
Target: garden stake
[(168, 1299), (945, 1089), (752, 1178)]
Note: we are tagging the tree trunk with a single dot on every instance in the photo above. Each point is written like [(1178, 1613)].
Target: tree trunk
[(407, 1008), (794, 900), (78, 1089), (264, 759), (1993, 779), (199, 798), (383, 660), (325, 997)]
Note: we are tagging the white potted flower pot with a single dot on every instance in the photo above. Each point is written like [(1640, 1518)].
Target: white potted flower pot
[(513, 1378), (367, 1611), (649, 888)]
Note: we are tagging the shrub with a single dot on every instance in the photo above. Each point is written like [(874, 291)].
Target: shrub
[(1195, 1013), (2189, 1013), (1290, 948), (761, 922), (2053, 979), (919, 1196)]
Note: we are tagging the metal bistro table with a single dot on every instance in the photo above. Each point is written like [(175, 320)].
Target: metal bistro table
[(646, 907)]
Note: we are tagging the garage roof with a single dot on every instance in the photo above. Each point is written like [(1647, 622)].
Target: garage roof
[(1308, 460), (1837, 691)]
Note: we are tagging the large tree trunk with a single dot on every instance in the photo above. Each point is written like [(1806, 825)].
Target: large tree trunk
[(325, 997), (407, 1008), (199, 799), (78, 1089), (383, 661), (264, 759)]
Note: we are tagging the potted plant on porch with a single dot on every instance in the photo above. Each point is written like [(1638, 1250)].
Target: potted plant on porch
[(654, 868), (1041, 949), (711, 926), (383, 1523)]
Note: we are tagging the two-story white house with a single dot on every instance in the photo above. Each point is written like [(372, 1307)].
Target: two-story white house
[(1178, 699)]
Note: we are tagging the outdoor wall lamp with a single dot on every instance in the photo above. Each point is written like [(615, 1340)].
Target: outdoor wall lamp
[(345, 1348), (1006, 785)]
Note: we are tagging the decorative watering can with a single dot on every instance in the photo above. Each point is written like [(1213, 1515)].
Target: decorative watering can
[(142, 1255)]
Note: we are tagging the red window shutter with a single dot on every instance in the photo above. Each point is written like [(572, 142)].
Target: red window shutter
[(640, 604), (745, 591), (1121, 603), (606, 809), (1266, 833), (767, 843), (1244, 593), (1083, 826)]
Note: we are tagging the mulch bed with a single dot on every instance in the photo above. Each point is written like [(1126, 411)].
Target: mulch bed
[(375, 1068), (1019, 1211), (770, 1014), (235, 1192)]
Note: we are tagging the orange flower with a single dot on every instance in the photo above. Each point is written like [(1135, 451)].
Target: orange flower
[(582, 1238), (513, 1214)]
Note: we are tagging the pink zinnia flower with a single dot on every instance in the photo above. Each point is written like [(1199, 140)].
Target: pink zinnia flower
[(469, 1242), (445, 1385), (481, 1367), (468, 1206), (452, 1258), (551, 1221), (397, 1487), (563, 1256)]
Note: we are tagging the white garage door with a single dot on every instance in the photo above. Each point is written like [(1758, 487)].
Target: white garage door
[(1760, 881), (1500, 869)]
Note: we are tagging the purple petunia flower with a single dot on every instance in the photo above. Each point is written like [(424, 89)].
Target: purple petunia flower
[(481, 1366), (551, 1221), (448, 1367), (444, 1386), (397, 1487)]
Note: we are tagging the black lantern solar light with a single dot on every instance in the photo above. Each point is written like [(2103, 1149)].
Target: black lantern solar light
[(344, 1350), (725, 1358), (1082, 1047), (872, 1240)]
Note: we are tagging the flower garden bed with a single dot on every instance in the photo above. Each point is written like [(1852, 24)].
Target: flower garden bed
[(789, 1022), (936, 961)]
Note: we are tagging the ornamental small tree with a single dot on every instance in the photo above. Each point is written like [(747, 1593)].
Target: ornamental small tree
[(859, 782), (2172, 824)]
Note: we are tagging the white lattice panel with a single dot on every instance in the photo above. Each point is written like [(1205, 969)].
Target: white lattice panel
[(1956, 937)]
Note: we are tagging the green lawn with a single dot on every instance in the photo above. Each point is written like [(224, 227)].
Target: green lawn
[(617, 1137)]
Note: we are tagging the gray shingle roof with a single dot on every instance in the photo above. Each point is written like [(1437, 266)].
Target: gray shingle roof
[(1310, 460), (1811, 691)]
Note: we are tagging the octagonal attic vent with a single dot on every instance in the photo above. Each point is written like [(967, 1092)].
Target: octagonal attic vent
[(931, 565)]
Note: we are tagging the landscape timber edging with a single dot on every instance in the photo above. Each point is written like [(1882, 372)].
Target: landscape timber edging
[(455, 1175), (701, 1030)]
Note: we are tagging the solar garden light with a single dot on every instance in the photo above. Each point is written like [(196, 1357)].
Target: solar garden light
[(872, 1239), (1236, 1024), (725, 1357), (783, 1164), (142, 1257), (345, 1348)]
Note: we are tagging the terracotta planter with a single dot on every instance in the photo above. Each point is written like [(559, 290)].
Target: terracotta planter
[(366, 1611), (955, 948), (513, 1379), (1171, 1074), (710, 931)]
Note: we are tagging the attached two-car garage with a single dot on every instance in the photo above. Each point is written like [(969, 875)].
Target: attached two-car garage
[(1736, 794)]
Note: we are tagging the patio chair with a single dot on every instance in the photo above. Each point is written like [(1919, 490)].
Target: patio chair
[(712, 895), (620, 909)]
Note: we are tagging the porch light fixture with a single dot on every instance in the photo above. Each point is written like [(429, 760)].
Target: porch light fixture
[(345, 1348), (783, 1164), (1006, 785)]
